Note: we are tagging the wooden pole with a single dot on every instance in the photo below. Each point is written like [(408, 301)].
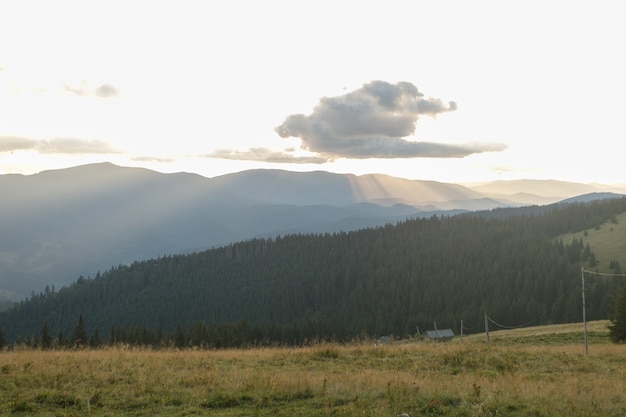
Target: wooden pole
[(487, 328), (582, 273)]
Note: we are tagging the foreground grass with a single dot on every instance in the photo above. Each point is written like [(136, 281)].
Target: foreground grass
[(541, 372)]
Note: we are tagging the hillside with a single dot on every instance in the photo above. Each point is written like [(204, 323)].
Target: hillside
[(58, 225), (376, 281), (608, 242), (62, 224)]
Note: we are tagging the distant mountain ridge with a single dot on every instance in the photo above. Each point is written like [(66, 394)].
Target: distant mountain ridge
[(60, 224), (540, 192), (585, 198)]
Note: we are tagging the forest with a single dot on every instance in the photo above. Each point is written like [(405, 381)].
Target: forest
[(393, 280)]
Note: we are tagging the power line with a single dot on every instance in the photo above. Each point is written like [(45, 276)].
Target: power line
[(583, 270), (515, 327), (582, 275), (603, 273), (489, 319)]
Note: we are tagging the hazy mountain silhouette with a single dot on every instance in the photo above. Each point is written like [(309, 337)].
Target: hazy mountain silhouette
[(57, 225), (528, 192)]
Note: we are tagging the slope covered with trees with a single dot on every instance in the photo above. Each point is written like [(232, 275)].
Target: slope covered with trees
[(59, 224), (377, 281)]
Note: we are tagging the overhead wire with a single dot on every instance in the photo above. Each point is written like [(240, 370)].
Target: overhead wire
[(544, 313), (603, 273), (515, 327)]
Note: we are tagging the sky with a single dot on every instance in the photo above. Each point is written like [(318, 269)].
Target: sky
[(451, 91)]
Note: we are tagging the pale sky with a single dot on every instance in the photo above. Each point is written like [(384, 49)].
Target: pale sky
[(453, 91)]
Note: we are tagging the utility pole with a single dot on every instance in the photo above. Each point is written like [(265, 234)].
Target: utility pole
[(582, 274), (487, 328), (582, 277)]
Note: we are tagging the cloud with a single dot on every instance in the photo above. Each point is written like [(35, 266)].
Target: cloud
[(106, 90), (15, 143), (266, 155), (56, 145), (372, 122), (103, 91), (153, 159), (75, 146)]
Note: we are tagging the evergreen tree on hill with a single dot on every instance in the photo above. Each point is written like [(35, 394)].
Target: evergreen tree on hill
[(46, 339), (617, 327), (61, 339), (79, 336)]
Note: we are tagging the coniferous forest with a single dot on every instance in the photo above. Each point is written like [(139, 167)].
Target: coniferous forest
[(294, 289)]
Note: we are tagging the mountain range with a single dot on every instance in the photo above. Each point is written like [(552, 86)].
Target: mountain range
[(61, 224)]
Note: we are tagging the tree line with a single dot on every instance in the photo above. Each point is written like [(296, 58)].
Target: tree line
[(199, 335), (389, 280)]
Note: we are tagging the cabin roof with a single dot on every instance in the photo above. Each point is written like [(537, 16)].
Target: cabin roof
[(439, 334)]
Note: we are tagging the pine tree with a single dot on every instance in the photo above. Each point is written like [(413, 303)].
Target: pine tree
[(617, 328), (61, 340), (179, 337), (79, 336), (46, 339), (96, 339), (3, 341)]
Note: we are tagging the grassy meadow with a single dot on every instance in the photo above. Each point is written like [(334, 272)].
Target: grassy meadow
[(608, 243), (539, 371)]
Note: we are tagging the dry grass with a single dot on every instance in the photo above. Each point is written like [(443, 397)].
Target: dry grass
[(460, 378)]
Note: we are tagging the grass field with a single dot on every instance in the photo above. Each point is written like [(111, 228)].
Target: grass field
[(539, 371), (608, 243)]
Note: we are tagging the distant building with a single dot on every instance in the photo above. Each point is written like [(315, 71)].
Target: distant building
[(439, 335), (383, 340)]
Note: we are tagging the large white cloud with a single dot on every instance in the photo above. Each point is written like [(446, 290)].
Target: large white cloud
[(373, 122)]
